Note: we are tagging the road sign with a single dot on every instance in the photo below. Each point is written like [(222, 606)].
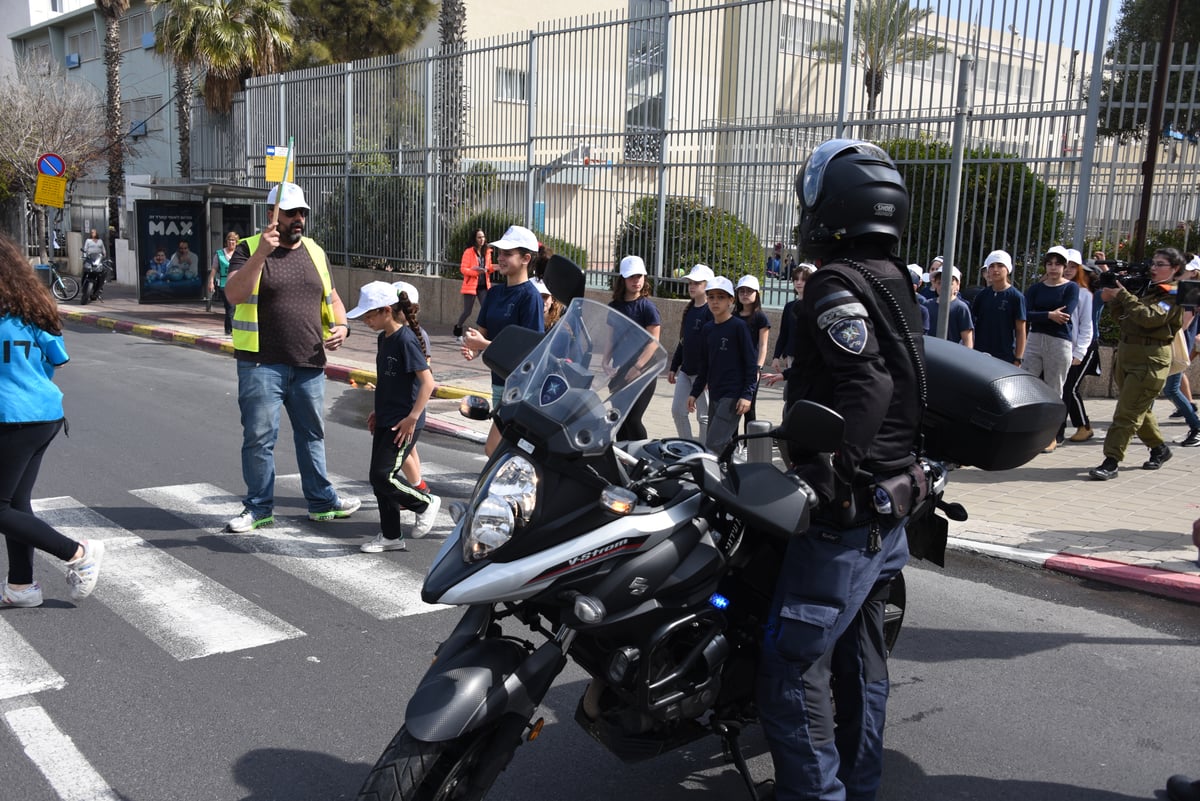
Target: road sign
[(51, 191), (51, 164)]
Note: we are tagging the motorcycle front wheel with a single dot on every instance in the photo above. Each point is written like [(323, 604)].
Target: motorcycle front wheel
[(87, 292), (413, 770)]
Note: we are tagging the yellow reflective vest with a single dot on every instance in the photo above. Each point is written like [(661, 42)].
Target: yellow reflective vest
[(245, 316)]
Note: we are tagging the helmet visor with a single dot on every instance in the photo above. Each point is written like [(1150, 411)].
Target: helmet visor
[(814, 169)]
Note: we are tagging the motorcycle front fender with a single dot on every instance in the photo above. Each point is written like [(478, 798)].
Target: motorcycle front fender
[(474, 682)]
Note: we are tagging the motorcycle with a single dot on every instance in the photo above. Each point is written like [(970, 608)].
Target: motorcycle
[(95, 271), (650, 564)]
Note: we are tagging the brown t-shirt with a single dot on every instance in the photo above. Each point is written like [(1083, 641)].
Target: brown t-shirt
[(289, 309)]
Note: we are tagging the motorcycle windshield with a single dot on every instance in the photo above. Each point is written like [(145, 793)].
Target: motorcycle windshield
[(587, 372)]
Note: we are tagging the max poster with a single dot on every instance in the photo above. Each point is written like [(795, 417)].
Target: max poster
[(172, 255)]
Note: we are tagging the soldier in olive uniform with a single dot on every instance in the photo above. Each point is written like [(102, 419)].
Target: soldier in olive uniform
[(1148, 324)]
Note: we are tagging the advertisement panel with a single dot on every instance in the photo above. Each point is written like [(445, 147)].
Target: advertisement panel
[(172, 250)]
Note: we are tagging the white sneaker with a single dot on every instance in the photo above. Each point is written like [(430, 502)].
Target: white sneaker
[(343, 508), (246, 521), (426, 519), (83, 572), (27, 598), (381, 544)]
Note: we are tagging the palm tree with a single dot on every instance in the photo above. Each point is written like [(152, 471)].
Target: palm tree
[(226, 41), (451, 108), (882, 38), (112, 11)]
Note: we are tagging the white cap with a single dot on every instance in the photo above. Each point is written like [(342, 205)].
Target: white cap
[(954, 272), (701, 272), (807, 266), (936, 260), (914, 270), (1058, 250), (291, 197), (539, 286), (1193, 265), (374, 295), (722, 283), (750, 281), (1074, 256), (517, 237), (408, 289), (631, 266), (999, 257)]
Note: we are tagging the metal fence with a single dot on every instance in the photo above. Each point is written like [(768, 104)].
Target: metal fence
[(675, 129)]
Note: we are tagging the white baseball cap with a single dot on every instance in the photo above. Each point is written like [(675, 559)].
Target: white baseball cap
[(1193, 265), (517, 237), (999, 257), (408, 289), (539, 286), (1058, 250), (750, 281), (1074, 256), (722, 283), (701, 272), (807, 266), (631, 266), (954, 272), (374, 295), (290, 197), (914, 270)]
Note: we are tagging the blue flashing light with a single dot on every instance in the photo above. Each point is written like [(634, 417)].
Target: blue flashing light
[(719, 601)]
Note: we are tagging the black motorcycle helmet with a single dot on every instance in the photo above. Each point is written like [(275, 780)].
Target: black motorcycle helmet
[(850, 190)]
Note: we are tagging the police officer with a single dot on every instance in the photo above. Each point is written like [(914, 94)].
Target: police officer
[(1148, 324), (858, 348)]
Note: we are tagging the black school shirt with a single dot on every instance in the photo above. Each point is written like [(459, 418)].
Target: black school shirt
[(397, 362)]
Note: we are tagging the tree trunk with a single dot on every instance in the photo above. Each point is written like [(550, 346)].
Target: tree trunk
[(451, 108), (185, 90), (114, 127)]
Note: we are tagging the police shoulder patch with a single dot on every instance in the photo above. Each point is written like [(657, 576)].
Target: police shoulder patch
[(849, 334)]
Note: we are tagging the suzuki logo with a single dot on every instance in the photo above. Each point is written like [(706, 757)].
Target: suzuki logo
[(638, 586)]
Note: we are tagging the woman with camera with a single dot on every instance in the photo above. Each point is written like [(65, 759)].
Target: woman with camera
[(1148, 322)]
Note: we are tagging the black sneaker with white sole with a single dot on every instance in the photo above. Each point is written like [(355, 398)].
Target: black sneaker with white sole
[(1192, 439)]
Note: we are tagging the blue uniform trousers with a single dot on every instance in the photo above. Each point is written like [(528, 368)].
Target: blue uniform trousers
[(823, 651)]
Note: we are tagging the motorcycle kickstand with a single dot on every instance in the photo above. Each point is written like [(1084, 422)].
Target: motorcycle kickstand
[(729, 734)]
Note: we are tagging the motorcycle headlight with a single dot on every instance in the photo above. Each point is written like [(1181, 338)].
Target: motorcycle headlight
[(508, 499)]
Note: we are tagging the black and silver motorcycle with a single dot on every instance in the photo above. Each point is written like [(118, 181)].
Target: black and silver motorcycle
[(650, 564), (96, 268)]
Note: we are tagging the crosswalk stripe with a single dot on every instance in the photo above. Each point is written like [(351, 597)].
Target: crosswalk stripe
[(55, 755), (381, 587), (179, 608), (23, 671)]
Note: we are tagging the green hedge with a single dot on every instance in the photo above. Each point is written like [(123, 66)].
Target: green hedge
[(494, 223)]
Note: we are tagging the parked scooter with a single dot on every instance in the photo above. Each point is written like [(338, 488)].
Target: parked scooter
[(96, 268)]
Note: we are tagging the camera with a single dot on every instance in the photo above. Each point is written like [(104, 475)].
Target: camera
[(1135, 277), (1189, 294)]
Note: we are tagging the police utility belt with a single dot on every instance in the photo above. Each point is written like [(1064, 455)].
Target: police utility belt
[(893, 497)]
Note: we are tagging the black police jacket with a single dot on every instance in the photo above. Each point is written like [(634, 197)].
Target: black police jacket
[(851, 355)]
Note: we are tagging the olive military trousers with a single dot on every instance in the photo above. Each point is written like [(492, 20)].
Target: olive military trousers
[(1140, 372)]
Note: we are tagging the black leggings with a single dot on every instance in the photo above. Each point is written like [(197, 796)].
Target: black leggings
[(23, 445), (633, 427), (1071, 396), (468, 304)]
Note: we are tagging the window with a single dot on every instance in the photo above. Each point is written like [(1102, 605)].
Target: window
[(645, 73), (1004, 79), (133, 27), (797, 35), (136, 114), (938, 69), (83, 44), (512, 85)]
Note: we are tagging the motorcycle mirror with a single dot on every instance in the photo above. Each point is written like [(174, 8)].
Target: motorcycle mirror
[(564, 278), (812, 427), (474, 407)]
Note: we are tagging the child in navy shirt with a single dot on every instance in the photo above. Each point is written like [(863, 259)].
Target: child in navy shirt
[(728, 367), (403, 386)]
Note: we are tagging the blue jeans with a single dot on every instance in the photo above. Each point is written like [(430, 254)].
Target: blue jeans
[(1173, 391), (262, 390)]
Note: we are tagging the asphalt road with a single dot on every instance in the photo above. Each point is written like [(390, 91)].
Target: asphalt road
[(278, 666)]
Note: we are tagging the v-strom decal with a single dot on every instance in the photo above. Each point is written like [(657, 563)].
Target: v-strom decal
[(590, 557)]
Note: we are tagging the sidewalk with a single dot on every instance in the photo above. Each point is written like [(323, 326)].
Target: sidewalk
[(1134, 531)]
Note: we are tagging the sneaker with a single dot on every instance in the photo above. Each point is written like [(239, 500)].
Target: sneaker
[(381, 544), (1107, 470), (27, 598), (246, 521), (459, 341), (1158, 456), (83, 572), (1082, 434), (343, 508), (458, 332), (426, 519), (1192, 439)]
